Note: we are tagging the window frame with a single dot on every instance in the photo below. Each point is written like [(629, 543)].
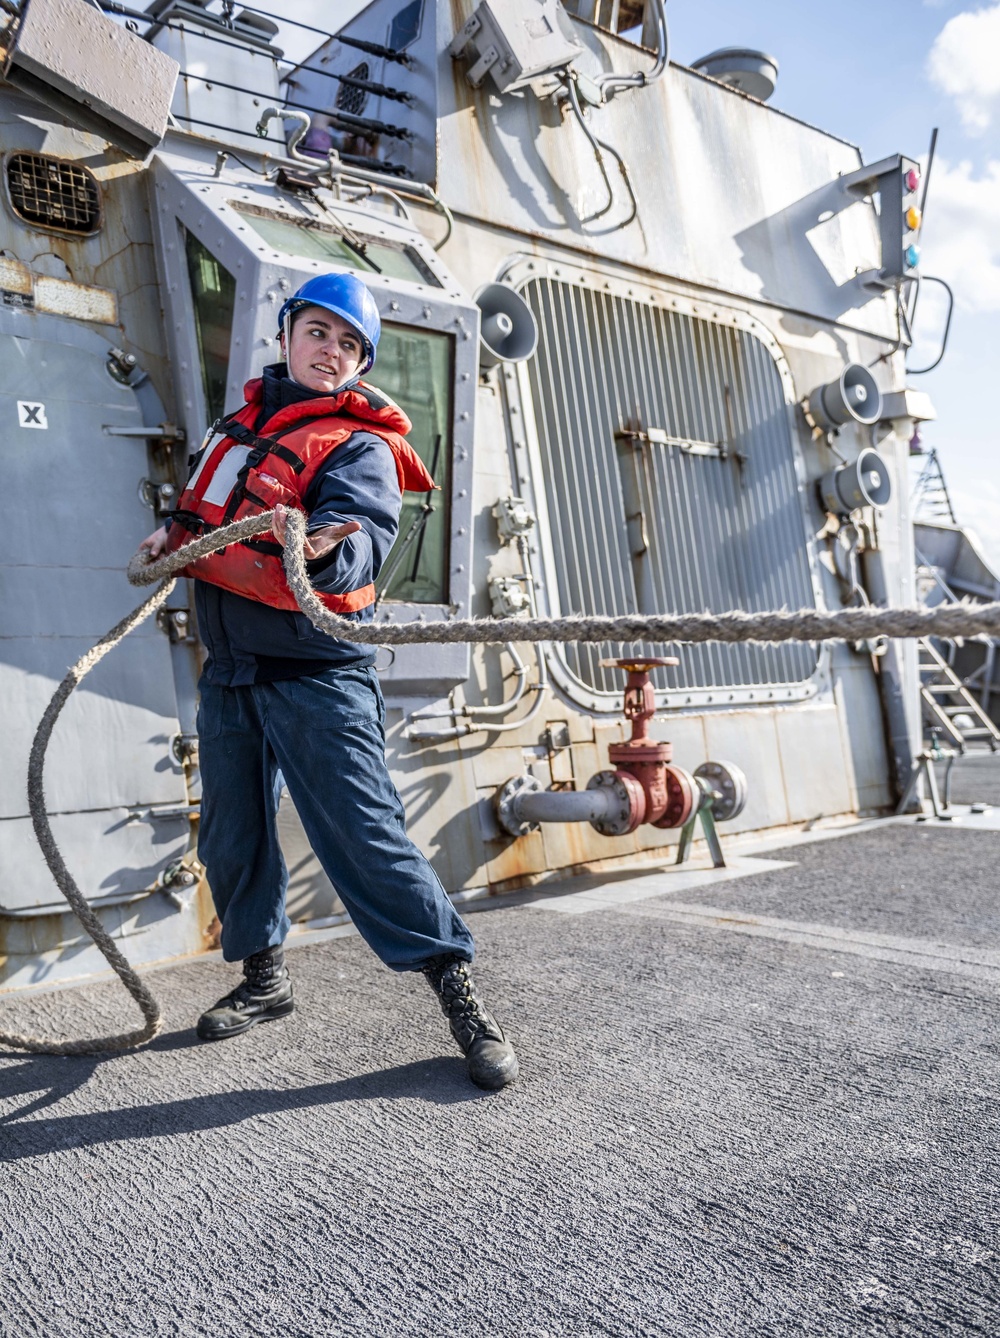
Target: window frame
[(202, 202)]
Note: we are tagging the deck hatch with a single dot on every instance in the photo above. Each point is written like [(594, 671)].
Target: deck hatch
[(50, 192), (669, 474)]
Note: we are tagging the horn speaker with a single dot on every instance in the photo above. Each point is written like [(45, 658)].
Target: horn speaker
[(853, 397), (865, 482), (509, 332)]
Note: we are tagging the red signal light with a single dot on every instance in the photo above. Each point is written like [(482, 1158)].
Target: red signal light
[(911, 179)]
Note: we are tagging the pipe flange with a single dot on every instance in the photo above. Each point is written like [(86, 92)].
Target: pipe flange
[(629, 808), (505, 807), (683, 797), (728, 784)]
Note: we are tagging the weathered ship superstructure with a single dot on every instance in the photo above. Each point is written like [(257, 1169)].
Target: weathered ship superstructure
[(637, 315)]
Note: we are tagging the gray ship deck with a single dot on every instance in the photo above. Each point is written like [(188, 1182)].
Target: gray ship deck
[(764, 1106)]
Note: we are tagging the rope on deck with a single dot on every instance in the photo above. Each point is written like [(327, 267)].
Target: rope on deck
[(947, 621)]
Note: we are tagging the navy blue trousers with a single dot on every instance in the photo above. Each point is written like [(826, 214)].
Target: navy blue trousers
[(324, 738)]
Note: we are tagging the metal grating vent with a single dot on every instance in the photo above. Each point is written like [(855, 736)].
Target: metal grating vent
[(53, 193), (669, 473), (350, 98)]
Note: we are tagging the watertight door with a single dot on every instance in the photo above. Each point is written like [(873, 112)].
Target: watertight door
[(72, 519)]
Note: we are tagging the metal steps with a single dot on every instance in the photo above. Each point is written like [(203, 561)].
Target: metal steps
[(945, 699)]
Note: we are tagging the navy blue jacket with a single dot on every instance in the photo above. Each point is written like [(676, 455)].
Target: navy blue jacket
[(249, 642)]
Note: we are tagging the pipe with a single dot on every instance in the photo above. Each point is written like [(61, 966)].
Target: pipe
[(415, 189), (370, 192), (459, 731), (609, 84), (594, 805), (903, 747), (474, 727), (498, 708), (288, 114)]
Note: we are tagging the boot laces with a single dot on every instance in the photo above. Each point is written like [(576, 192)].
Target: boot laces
[(468, 1016), (262, 971)]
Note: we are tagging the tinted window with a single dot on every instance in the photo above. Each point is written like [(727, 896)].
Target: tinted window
[(313, 241), (414, 367), (213, 292), (405, 26)]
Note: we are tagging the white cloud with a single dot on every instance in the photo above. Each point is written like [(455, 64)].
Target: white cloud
[(979, 512), (965, 63), (961, 238)]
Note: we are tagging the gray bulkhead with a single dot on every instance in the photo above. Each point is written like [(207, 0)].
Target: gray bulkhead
[(710, 317)]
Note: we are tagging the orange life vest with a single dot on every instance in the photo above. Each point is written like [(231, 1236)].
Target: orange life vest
[(245, 473)]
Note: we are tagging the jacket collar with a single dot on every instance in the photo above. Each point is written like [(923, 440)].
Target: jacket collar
[(361, 401)]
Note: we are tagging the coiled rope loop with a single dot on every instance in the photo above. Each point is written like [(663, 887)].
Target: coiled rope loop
[(949, 621)]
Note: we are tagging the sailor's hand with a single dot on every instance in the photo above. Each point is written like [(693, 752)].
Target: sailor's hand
[(156, 543), (320, 542)]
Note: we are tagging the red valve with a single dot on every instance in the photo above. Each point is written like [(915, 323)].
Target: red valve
[(643, 759)]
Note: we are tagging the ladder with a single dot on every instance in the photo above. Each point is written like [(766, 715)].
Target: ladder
[(931, 499), (946, 699)]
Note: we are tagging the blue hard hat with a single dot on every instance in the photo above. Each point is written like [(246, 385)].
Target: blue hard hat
[(347, 297)]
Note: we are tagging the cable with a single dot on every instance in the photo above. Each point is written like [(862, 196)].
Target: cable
[(922, 371), (600, 147)]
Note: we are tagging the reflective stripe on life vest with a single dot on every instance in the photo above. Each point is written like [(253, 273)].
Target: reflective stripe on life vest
[(245, 472)]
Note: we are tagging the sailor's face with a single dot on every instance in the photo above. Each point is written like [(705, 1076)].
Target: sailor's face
[(325, 351)]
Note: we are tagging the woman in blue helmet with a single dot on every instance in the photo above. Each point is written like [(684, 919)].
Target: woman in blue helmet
[(281, 702)]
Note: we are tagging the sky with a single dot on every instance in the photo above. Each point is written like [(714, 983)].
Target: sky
[(883, 73)]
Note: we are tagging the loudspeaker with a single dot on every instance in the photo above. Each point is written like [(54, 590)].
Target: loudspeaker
[(854, 396), (508, 332), (866, 482)]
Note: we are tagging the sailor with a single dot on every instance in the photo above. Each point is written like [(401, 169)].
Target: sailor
[(281, 703)]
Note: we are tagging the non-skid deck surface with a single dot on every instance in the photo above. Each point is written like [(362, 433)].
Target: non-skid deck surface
[(760, 1106)]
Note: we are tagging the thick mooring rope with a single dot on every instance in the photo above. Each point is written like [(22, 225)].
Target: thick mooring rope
[(856, 624), (99, 1045)]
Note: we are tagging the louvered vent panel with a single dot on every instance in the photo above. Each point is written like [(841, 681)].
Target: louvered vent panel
[(53, 193), (708, 517)]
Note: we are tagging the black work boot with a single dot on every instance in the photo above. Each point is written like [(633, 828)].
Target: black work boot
[(265, 993), (490, 1056)]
